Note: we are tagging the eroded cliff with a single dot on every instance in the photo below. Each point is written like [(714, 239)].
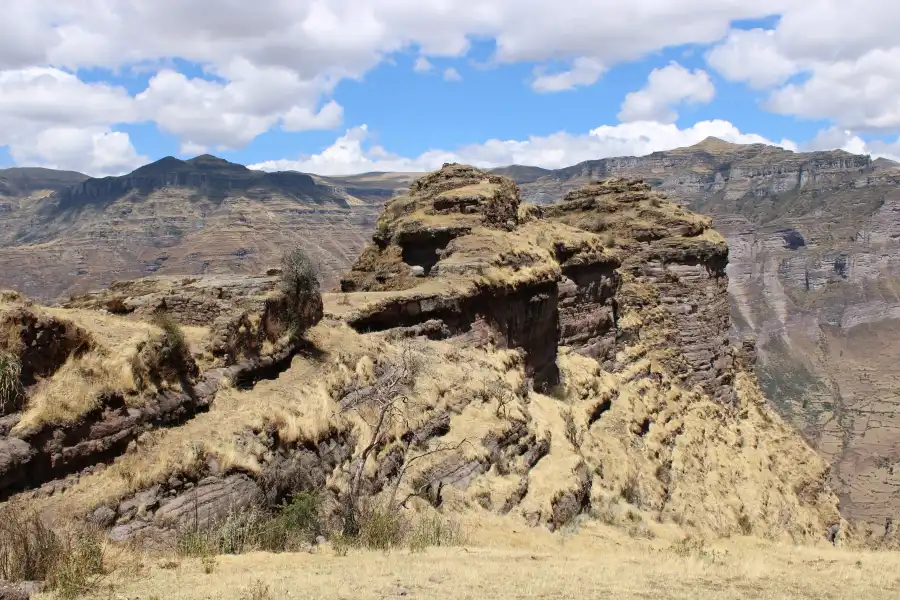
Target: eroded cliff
[(489, 356)]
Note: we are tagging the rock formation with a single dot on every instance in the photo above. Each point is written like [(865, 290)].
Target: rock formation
[(543, 362), (812, 274)]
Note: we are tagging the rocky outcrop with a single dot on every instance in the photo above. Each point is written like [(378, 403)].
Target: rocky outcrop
[(455, 234), (241, 313), (559, 275), (812, 273), (247, 338)]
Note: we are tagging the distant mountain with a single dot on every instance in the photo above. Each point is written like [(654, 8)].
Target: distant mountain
[(204, 215), (21, 181), (211, 177)]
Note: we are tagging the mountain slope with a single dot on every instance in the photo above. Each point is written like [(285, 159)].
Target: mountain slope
[(201, 216)]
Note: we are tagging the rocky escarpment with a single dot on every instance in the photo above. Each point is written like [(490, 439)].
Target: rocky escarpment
[(812, 273), (84, 397), (491, 358), (465, 260)]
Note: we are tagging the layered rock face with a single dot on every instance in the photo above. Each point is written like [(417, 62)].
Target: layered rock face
[(466, 260), (538, 362), (812, 274), (90, 383)]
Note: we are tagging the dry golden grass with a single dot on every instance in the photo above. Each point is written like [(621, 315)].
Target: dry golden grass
[(108, 367), (505, 560)]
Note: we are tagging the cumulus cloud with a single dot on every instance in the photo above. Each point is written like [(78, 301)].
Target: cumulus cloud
[(422, 65), (584, 71), (230, 115), (451, 74), (845, 55), (752, 56), (48, 117), (93, 151), (667, 87), (276, 63), (350, 153), (844, 139)]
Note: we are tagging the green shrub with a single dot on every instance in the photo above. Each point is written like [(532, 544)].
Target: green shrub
[(382, 529), (299, 274), (294, 525), (174, 342), (79, 567)]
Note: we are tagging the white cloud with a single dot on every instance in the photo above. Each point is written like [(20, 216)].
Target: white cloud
[(845, 54), (844, 139), (230, 115), (861, 94), (752, 56), (48, 117), (667, 87), (451, 74), (349, 154), (584, 71), (276, 63), (422, 65), (93, 151)]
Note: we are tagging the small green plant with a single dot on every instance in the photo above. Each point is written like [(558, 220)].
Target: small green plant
[(341, 544), (209, 564), (79, 567)]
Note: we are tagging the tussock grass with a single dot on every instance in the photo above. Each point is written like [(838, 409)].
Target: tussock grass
[(10, 381), (71, 562)]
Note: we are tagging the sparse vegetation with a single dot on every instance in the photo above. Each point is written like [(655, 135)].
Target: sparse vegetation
[(71, 562), (174, 345), (10, 381), (299, 284)]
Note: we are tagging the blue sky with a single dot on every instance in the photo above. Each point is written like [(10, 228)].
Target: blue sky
[(339, 86)]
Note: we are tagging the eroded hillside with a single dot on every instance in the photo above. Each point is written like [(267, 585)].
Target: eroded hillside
[(204, 216), (485, 357)]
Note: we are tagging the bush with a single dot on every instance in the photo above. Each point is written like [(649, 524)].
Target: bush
[(173, 343), (79, 566), (299, 275), (10, 382), (70, 562), (296, 524)]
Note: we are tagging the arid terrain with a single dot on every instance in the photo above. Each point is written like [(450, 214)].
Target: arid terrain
[(494, 383), (812, 261)]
